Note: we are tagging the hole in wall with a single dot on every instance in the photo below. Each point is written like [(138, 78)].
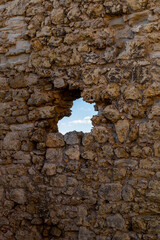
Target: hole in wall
[(80, 119)]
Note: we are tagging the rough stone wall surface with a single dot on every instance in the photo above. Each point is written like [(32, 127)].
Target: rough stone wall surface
[(102, 185)]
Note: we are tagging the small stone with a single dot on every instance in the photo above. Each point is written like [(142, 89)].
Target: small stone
[(55, 140), (1, 192), (155, 111), (85, 233), (60, 181), (116, 221), (71, 138), (73, 152), (59, 83), (12, 141), (112, 90), (88, 154), (57, 16), (110, 191), (56, 232), (132, 93), (137, 4), (54, 155), (128, 193), (111, 113), (122, 129), (100, 134), (49, 169), (157, 149), (18, 196)]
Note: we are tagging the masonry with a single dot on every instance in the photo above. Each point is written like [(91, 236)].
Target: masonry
[(102, 185)]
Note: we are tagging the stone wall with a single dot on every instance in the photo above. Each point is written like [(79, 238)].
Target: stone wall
[(102, 185)]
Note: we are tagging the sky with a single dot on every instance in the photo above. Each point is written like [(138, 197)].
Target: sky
[(82, 112)]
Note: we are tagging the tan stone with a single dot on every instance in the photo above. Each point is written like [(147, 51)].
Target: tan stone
[(12, 141), (73, 152), (132, 93), (55, 140), (136, 4), (49, 169), (157, 149), (122, 129), (111, 113)]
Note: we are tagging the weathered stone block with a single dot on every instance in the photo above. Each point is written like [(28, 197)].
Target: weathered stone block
[(12, 141), (116, 222), (18, 196), (122, 129), (110, 191), (49, 169), (55, 140), (73, 152)]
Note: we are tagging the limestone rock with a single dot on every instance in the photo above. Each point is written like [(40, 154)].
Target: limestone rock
[(111, 113), (73, 152), (128, 193), (12, 141), (55, 140), (122, 129), (18, 196), (57, 15), (49, 169), (110, 191), (100, 134), (132, 93), (85, 233), (71, 138), (54, 155), (116, 221), (157, 148), (137, 4)]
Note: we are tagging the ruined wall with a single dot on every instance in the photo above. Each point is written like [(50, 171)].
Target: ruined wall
[(101, 185)]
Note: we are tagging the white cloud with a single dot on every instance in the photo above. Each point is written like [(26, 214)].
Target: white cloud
[(86, 120)]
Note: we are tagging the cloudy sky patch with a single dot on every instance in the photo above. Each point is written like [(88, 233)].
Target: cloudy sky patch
[(80, 120)]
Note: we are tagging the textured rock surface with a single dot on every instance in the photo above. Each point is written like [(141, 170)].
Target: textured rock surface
[(102, 185)]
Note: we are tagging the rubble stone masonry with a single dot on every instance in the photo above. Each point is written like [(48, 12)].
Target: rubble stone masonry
[(102, 185)]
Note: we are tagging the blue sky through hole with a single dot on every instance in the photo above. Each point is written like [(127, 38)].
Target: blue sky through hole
[(80, 120)]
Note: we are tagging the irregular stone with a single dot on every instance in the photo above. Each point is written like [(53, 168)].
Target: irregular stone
[(1, 193), (73, 152), (112, 90), (111, 113), (116, 221), (153, 90), (57, 16), (42, 113), (122, 129), (54, 155), (49, 169), (132, 93), (85, 233), (71, 138), (60, 181), (55, 140), (155, 111), (18, 196), (128, 193), (100, 134), (137, 4), (157, 149), (12, 141), (88, 154), (110, 191)]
